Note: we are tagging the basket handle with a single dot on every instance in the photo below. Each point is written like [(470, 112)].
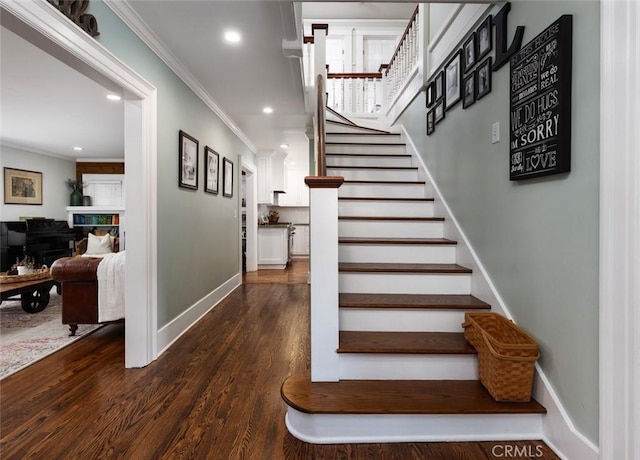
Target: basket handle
[(466, 325), (510, 358)]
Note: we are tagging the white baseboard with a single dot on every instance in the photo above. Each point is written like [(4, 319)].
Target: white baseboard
[(168, 334), (557, 427)]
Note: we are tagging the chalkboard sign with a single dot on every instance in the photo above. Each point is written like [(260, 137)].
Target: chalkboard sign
[(541, 104)]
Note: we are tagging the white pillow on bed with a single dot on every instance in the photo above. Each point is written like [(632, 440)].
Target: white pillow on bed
[(98, 246)]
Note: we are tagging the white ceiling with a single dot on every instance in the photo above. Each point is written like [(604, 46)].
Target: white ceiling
[(47, 107)]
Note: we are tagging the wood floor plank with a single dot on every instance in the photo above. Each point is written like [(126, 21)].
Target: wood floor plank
[(402, 268), (436, 301), (404, 342)]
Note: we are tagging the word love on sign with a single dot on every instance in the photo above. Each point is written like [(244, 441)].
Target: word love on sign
[(74, 10), (541, 104)]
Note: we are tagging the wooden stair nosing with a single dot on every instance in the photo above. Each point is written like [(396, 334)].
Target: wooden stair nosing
[(399, 241), (423, 343), (373, 198), (389, 144), (377, 168), (383, 133), (401, 397), (353, 125), (369, 155), (386, 182), (413, 301), (398, 219), (440, 269)]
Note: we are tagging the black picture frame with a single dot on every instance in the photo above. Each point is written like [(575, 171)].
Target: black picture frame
[(211, 171), (431, 122), (483, 79), (227, 178), (469, 53), (431, 88), (438, 91), (484, 38), (187, 161), (438, 112), (453, 80), (22, 186), (469, 90)]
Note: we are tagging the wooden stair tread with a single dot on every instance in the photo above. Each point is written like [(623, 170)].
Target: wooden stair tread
[(373, 198), (383, 133), (397, 397), (408, 301), (392, 182), (353, 125), (386, 144), (400, 218), (420, 241), (402, 268), (383, 168), (370, 155), (404, 342)]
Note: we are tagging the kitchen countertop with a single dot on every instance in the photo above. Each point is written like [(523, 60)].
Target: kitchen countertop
[(276, 225)]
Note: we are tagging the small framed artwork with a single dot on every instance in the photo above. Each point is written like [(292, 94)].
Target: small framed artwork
[(452, 81), (431, 94), (188, 161), (469, 90), (483, 80), (22, 186), (484, 38), (438, 90), (438, 112), (469, 53), (431, 122), (211, 165), (227, 177)]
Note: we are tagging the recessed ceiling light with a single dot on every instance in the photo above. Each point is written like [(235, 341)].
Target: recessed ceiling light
[(284, 146), (267, 110), (113, 97), (78, 149), (232, 36)]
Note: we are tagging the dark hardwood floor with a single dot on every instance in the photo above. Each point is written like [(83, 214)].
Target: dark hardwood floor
[(215, 394)]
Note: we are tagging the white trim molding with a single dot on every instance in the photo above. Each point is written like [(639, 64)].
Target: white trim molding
[(619, 230), (132, 19), (39, 22)]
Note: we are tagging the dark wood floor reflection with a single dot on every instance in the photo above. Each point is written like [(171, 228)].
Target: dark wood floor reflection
[(215, 394), (297, 272)]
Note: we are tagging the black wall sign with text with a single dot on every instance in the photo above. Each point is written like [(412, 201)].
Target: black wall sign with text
[(540, 115)]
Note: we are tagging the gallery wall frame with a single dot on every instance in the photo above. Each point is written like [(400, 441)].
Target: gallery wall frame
[(469, 52), (453, 80), (22, 186), (227, 178), (484, 38), (187, 161), (211, 171), (469, 89), (483, 78)]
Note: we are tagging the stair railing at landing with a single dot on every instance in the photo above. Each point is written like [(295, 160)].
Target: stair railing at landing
[(323, 259), (356, 94)]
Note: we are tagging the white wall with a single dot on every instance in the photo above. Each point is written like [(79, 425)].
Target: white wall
[(55, 194)]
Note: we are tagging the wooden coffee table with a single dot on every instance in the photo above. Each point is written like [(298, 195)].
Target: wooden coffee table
[(33, 294)]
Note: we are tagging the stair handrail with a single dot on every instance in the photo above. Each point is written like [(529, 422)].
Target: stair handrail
[(403, 38), (320, 117)]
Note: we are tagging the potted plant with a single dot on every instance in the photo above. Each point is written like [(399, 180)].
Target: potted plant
[(273, 216), (76, 187), (24, 266)]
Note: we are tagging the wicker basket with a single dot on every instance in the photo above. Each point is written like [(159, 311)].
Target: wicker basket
[(506, 355), (39, 274)]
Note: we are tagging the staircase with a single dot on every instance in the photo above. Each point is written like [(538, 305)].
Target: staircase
[(406, 371)]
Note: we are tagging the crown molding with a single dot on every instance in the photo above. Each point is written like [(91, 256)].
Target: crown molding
[(26, 148), (132, 19)]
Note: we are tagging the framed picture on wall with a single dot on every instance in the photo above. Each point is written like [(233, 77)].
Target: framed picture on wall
[(431, 88), (469, 53), (438, 112), (469, 90), (227, 178), (484, 38), (431, 122), (187, 161), (211, 171), (453, 79), (438, 90), (22, 186), (483, 79)]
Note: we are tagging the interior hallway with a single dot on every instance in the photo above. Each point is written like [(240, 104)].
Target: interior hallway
[(215, 394)]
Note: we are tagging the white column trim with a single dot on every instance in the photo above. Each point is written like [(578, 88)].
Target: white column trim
[(40, 21), (619, 230)]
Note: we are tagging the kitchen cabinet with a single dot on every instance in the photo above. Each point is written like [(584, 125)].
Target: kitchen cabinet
[(271, 176), (297, 191), (273, 246), (301, 241)]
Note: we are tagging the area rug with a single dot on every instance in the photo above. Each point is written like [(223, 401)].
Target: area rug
[(26, 338)]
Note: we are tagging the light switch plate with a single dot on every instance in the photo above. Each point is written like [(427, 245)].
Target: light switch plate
[(495, 132)]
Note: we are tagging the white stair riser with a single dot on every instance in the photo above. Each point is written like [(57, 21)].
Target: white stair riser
[(374, 428), (397, 320), (383, 190), (385, 208), (391, 229), (366, 160), (397, 253), (368, 138), (375, 174), (376, 366), (403, 283), (372, 149)]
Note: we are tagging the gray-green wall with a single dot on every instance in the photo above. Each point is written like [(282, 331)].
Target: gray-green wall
[(537, 238), (198, 233)]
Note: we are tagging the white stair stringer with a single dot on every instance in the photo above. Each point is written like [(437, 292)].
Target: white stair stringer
[(374, 428), (369, 138), (380, 366)]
